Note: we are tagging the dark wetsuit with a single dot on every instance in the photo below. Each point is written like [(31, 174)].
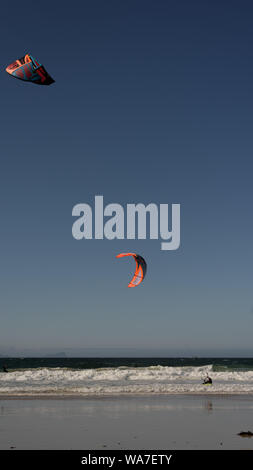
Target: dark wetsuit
[(208, 380)]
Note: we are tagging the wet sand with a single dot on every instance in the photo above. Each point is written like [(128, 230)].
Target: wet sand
[(157, 422)]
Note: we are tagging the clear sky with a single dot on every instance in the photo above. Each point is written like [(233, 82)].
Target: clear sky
[(152, 103)]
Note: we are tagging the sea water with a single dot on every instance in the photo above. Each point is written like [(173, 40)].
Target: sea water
[(125, 376)]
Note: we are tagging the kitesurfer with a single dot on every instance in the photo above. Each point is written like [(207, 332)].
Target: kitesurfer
[(5, 369), (207, 380)]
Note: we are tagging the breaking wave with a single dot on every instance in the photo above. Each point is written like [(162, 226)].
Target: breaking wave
[(124, 380)]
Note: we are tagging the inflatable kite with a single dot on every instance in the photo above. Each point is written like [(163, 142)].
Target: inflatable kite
[(141, 268), (30, 70)]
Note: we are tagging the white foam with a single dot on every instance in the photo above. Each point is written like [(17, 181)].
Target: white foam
[(123, 380)]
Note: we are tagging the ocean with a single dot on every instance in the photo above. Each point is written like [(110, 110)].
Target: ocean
[(124, 376)]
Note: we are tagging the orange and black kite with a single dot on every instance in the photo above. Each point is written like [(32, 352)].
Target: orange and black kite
[(29, 69), (141, 268)]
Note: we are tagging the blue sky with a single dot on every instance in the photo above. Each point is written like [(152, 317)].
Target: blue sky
[(152, 103)]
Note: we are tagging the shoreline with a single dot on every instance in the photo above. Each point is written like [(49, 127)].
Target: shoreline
[(46, 396)]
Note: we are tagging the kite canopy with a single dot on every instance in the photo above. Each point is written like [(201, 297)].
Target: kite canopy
[(29, 69), (141, 268)]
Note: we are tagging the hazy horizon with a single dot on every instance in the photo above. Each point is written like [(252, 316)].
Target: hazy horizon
[(123, 352)]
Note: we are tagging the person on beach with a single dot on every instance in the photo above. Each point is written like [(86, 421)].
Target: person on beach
[(208, 380), (4, 369)]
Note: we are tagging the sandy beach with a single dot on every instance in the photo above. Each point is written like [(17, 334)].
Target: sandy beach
[(158, 422)]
